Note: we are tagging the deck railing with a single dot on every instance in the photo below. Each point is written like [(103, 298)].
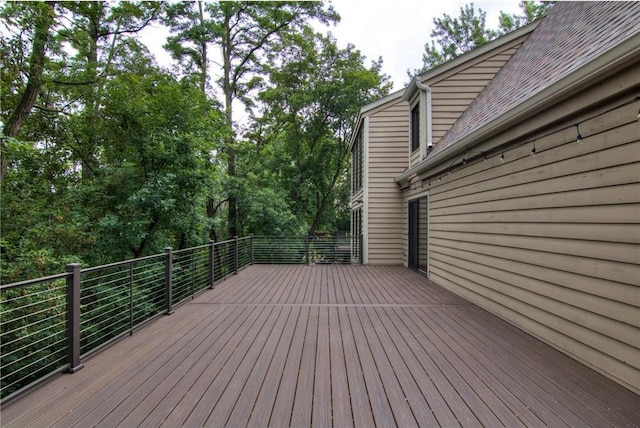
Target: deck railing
[(50, 324)]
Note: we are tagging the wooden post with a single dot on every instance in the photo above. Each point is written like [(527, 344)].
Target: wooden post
[(73, 318), (168, 279)]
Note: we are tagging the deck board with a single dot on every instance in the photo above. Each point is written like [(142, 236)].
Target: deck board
[(326, 345)]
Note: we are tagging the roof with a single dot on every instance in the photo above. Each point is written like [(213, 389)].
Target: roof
[(569, 37), (465, 58)]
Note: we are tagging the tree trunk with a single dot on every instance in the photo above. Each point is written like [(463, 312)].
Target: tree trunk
[(228, 89), (324, 198), (203, 47), (34, 82), (91, 100)]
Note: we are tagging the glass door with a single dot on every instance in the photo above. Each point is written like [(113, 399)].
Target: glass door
[(418, 234)]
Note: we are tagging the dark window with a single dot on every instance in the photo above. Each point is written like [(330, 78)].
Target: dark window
[(356, 236), (357, 158), (415, 128)]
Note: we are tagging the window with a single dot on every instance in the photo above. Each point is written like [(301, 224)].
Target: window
[(357, 158), (415, 128), (356, 236)]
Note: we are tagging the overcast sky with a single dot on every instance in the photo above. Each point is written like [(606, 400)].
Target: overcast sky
[(395, 30)]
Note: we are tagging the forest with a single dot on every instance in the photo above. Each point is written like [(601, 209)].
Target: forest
[(106, 155)]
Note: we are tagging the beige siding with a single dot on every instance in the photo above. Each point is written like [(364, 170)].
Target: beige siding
[(415, 157), (388, 157), (552, 242), (452, 94)]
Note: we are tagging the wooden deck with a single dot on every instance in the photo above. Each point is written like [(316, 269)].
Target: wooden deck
[(327, 345)]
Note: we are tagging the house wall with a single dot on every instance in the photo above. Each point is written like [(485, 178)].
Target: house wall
[(551, 243), (387, 157)]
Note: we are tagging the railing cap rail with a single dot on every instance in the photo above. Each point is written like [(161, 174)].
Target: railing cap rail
[(199, 247), (33, 281), (122, 263)]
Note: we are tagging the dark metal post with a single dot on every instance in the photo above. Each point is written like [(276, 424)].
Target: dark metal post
[(306, 248), (193, 274), (212, 272), (252, 250), (168, 279), (235, 254), (73, 318), (131, 298)]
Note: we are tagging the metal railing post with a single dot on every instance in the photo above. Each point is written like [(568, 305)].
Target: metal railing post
[(168, 279), (131, 299), (252, 250), (306, 248), (73, 318), (212, 272), (193, 273), (235, 254)]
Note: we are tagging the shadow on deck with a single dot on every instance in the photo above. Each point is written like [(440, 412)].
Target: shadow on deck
[(327, 345)]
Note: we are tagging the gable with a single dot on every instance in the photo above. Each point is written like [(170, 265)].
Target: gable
[(453, 92), (572, 35)]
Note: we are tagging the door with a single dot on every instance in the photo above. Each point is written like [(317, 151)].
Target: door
[(418, 234)]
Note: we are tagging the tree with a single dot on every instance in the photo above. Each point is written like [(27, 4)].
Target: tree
[(310, 103), (452, 37), (99, 37), (246, 33), (97, 80), (40, 15), (456, 36), (531, 11), (158, 134)]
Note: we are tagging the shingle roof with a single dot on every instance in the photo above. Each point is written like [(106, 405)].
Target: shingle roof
[(570, 36)]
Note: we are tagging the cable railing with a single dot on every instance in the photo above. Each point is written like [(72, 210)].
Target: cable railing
[(49, 325), (306, 250), (33, 320)]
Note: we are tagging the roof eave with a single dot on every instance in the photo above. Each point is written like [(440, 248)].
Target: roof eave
[(626, 50)]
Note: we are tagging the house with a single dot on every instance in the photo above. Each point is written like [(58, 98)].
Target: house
[(511, 176), (379, 147)]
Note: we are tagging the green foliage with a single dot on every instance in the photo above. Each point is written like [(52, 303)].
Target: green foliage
[(455, 36), (531, 11), (248, 35), (313, 97)]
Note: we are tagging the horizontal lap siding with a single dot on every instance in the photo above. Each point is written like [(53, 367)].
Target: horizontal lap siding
[(552, 242), (388, 157), (452, 94)]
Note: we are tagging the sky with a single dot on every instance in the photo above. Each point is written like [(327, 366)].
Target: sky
[(395, 30)]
